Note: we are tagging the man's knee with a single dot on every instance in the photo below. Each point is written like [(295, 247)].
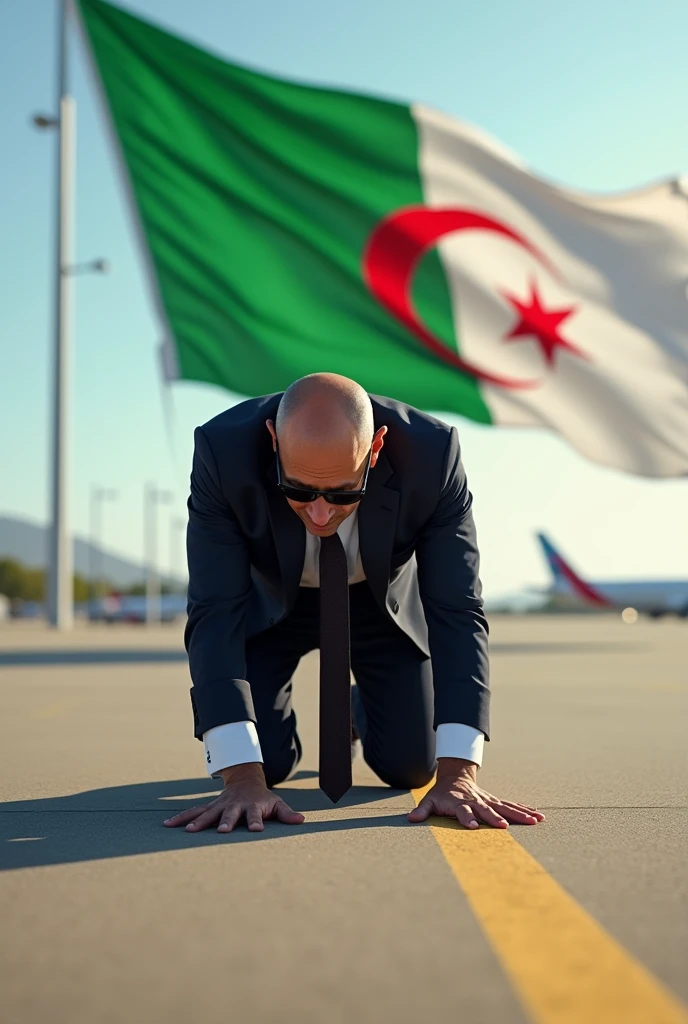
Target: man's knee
[(278, 765), (278, 771), (407, 774)]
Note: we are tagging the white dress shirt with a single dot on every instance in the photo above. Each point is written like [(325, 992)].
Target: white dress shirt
[(237, 742)]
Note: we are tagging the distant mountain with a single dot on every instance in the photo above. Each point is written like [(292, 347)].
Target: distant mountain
[(28, 543)]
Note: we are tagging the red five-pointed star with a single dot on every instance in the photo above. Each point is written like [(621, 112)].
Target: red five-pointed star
[(542, 324)]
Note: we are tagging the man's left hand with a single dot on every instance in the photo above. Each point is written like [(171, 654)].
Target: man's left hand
[(456, 794)]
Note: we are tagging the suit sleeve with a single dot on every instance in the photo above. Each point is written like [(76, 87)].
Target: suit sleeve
[(219, 588), (450, 589)]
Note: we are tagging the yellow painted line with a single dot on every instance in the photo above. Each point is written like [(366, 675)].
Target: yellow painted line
[(563, 965)]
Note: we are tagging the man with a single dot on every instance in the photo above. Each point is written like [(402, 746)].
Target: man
[(306, 509)]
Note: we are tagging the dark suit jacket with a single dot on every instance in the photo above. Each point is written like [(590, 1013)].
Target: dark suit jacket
[(417, 541)]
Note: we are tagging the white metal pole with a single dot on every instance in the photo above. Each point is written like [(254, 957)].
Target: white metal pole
[(100, 496), (60, 593), (177, 526), (94, 533), (173, 549), (150, 526)]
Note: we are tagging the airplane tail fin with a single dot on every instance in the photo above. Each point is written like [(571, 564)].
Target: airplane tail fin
[(566, 579), (553, 558)]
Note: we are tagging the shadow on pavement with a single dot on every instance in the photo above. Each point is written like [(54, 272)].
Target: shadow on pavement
[(131, 656), (565, 647), (124, 821), (89, 656)]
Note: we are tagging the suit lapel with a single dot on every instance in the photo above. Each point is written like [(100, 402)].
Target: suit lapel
[(377, 519), (290, 540)]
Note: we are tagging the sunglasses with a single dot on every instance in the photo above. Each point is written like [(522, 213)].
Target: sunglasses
[(305, 496)]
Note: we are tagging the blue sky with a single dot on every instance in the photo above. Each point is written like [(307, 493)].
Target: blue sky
[(592, 95)]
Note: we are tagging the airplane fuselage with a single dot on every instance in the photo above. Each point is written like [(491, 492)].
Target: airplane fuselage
[(655, 597)]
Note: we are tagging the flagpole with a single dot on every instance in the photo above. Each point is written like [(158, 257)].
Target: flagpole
[(152, 497), (60, 596)]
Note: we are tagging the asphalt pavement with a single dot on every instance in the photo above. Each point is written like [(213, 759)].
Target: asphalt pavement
[(106, 916)]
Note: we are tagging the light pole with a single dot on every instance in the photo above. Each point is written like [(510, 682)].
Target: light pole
[(177, 529), (152, 497), (89, 267), (99, 495), (61, 556)]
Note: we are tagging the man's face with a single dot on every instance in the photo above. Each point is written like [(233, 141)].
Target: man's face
[(320, 467)]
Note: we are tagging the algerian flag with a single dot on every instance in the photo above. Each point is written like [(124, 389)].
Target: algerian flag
[(294, 229)]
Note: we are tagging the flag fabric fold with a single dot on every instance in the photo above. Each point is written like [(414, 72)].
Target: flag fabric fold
[(292, 229)]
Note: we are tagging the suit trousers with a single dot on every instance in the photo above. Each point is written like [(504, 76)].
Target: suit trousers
[(393, 701)]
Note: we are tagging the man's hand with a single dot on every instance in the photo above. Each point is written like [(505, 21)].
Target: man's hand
[(245, 794), (456, 794)]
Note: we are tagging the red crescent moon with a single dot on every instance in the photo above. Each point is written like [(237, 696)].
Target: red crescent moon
[(393, 253)]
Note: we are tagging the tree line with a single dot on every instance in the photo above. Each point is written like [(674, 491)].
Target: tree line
[(20, 582)]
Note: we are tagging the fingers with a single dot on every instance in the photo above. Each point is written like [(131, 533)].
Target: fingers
[(208, 817), (198, 818), (285, 814), (422, 812), (184, 817), (466, 817), (515, 815), (489, 815), (494, 801), (512, 811), (530, 811), (471, 806), (230, 818), (254, 818)]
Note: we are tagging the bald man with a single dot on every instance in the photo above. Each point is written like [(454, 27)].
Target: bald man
[(268, 481)]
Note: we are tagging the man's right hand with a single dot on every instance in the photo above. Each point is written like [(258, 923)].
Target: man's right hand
[(245, 795)]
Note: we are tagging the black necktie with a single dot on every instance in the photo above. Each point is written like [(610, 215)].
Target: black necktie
[(335, 667)]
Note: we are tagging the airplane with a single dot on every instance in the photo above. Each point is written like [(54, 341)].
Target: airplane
[(653, 597)]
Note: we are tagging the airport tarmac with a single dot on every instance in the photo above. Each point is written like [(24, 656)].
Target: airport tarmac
[(107, 917)]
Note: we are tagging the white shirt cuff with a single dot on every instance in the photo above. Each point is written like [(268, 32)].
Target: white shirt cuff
[(234, 743), (454, 740)]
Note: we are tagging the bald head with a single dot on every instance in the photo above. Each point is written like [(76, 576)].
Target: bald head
[(326, 409), (326, 438)]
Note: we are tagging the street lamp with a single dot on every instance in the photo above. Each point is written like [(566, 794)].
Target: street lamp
[(152, 498), (45, 121), (99, 266), (99, 495), (61, 556), (177, 528)]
